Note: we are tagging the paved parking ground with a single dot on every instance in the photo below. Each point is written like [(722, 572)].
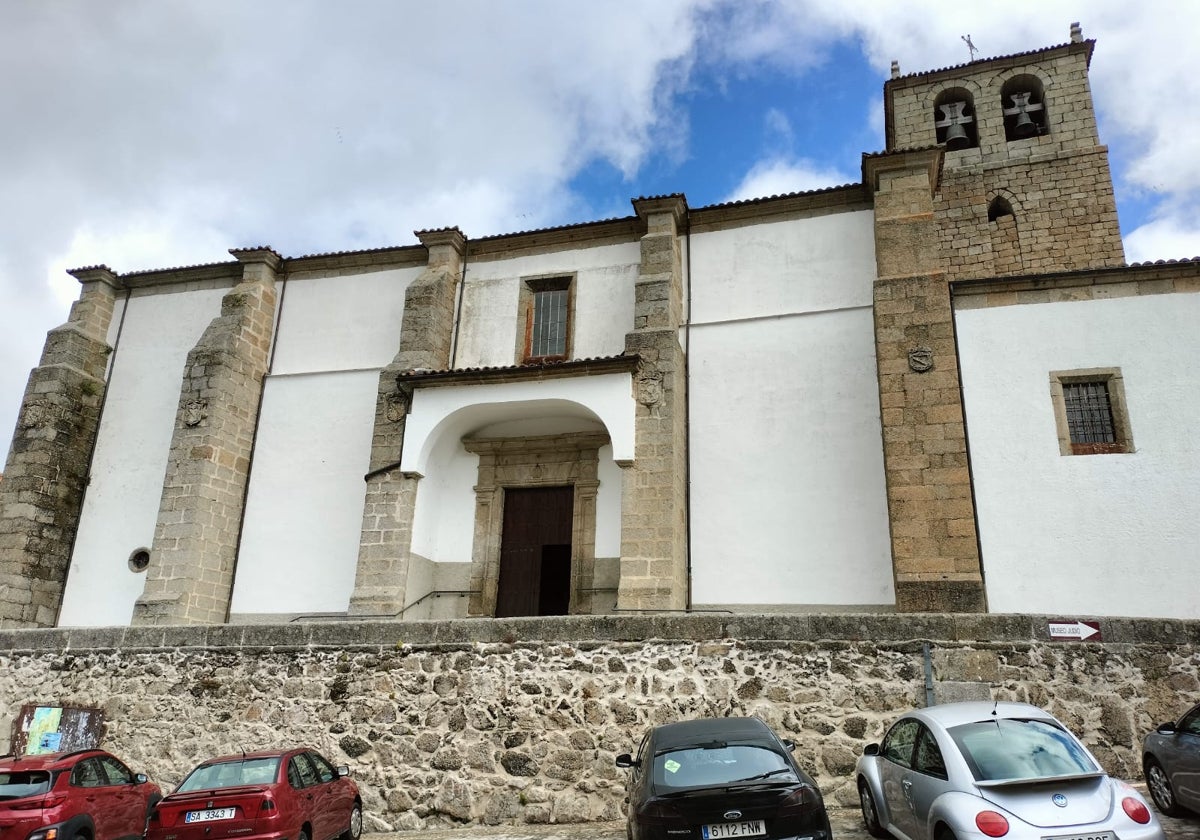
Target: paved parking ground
[(846, 823)]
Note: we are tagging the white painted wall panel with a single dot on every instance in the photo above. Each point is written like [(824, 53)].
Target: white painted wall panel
[(304, 507), (604, 286), (340, 323), (1085, 534), (788, 488), (121, 504), (805, 265)]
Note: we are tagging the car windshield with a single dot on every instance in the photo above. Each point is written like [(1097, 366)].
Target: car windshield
[(718, 764), (245, 771), (21, 783), (1007, 748)]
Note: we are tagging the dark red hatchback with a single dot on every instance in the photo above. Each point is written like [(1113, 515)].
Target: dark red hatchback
[(64, 796), (293, 793)]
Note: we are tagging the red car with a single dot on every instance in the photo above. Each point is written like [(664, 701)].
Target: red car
[(64, 796), (294, 794)]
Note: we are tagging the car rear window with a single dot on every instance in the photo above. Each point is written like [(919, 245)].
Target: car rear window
[(1007, 748), (707, 766), (21, 783), (246, 771)]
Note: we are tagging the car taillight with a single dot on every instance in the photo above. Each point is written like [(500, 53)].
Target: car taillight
[(267, 805), (52, 800), (991, 823), (801, 799), (1137, 811), (656, 811)]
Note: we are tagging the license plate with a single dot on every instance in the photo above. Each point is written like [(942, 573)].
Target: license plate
[(1095, 835), (210, 814), (746, 828)]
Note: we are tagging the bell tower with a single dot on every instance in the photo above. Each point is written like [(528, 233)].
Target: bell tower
[(1025, 185), (992, 168)]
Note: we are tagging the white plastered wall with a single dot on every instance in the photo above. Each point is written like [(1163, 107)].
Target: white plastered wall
[(1083, 535), (788, 496), (299, 548), (120, 507)]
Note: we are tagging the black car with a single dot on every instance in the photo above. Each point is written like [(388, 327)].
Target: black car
[(721, 777), (1171, 764)]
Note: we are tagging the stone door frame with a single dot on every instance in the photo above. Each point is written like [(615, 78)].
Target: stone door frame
[(543, 461)]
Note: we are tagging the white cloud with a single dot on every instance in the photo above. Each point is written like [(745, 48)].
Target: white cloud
[(1168, 238), (781, 176)]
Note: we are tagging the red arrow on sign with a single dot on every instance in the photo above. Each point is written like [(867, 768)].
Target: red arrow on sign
[(1075, 631)]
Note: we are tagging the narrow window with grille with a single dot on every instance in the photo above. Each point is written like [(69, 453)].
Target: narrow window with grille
[(548, 304), (549, 323), (1091, 413)]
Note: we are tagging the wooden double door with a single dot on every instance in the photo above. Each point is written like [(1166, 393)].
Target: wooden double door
[(535, 552)]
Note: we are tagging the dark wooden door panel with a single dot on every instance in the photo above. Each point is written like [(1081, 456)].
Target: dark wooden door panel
[(535, 552)]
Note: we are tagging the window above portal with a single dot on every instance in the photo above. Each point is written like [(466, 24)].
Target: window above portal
[(547, 312)]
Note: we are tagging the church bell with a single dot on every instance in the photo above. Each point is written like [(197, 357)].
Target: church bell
[(956, 137), (1025, 126)]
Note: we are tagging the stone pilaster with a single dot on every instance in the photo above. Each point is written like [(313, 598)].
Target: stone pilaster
[(194, 553), (935, 552), (427, 331), (654, 487), (47, 470)]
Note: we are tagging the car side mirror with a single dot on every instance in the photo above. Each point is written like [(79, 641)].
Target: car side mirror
[(140, 778), (871, 749), (789, 745), (343, 770), (626, 760), (1165, 729)]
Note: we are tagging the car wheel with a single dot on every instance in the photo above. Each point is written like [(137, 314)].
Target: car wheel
[(869, 812), (354, 829), (303, 835), (945, 834), (1160, 788)]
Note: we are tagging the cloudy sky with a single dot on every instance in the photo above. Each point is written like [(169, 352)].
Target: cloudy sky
[(157, 133)]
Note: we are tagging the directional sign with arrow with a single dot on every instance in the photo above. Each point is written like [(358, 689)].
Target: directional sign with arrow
[(1072, 630)]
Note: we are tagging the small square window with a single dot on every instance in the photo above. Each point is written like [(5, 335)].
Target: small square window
[(547, 304), (1090, 412)]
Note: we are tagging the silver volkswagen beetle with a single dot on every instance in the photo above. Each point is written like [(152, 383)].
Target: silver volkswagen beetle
[(1171, 763), (969, 771)]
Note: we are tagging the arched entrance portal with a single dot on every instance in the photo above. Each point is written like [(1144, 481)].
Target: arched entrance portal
[(534, 549)]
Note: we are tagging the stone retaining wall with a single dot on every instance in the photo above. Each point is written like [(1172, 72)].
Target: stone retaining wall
[(518, 721)]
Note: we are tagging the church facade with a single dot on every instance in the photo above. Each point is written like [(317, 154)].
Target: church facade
[(940, 389)]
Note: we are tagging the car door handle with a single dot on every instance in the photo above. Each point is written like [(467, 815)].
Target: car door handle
[(906, 784)]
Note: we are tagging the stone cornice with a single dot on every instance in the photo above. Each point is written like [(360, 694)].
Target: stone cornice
[(443, 236), (1123, 281), (517, 373), (675, 204), (97, 274), (262, 254), (991, 65), (847, 197), (874, 165), (361, 634)]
